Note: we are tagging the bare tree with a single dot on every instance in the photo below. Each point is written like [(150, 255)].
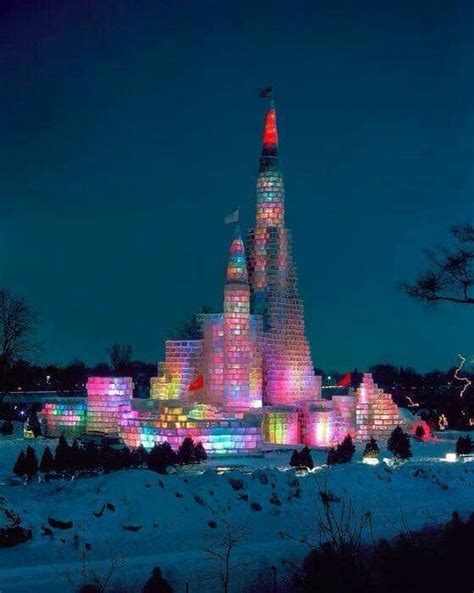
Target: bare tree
[(120, 358), (18, 323), (451, 274), (220, 547)]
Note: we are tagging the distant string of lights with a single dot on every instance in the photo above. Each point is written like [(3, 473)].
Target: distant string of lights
[(467, 382)]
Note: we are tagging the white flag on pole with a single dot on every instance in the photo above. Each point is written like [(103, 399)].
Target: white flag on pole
[(232, 217)]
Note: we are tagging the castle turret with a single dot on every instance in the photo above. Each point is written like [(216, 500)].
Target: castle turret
[(289, 376), (237, 339)]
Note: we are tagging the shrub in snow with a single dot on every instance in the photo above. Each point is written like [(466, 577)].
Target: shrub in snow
[(295, 459), (399, 444), (47, 462), (20, 465), (255, 506), (62, 456), (342, 453), (420, 432), (139, 456), (302, 459), (187, 452), (161, 457), (371, 448), (6, 428), (464, 445), (33, 423), (200, 452), (31, 462)]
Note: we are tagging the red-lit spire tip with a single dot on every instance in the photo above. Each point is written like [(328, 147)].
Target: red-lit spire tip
[(270, 133)]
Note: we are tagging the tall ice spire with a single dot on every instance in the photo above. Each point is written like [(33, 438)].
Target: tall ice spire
[(270, 187), (289, 377)]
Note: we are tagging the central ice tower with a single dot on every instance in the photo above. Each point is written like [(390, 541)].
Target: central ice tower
[(288, 370)]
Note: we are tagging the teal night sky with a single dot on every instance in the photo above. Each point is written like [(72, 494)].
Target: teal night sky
[(130, 129)]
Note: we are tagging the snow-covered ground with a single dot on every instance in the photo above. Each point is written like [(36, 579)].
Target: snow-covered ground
[(149, 519)]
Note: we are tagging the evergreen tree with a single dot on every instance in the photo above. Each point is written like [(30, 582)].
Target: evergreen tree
[(75, 456), (305, 458), (47, 462), (399, 444), (295, 459), (371, 448), (332, 458), (200, 452), (31, 462), (139, 456), (34, 424), (346, 449), (170, 456), (109, 458), (62, 456), (156, 461), (420, 432), (186, 452), (90, 454), (20, 466), (125, 458), (464, 445), (7, 427)]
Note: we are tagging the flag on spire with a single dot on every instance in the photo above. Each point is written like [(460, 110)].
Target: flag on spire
[(232, 217), (266, 93)]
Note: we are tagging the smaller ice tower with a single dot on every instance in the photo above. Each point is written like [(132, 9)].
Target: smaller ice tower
[(237, 335)]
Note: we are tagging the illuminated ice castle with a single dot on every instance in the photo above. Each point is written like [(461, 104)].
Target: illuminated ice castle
[(249, 378)]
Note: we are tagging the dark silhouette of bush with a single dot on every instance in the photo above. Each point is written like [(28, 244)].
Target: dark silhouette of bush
[(200, 452), (47, 462), (33, 423), (420, 432), (31, 462), (295, 459), (6, 428), (342, 453), (187, 452), (464, 445), (62, 456), (399, 444), (388, 567), (20, 465), (305, 458)]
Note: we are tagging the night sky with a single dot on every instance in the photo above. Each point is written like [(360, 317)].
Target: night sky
[(129, 129)]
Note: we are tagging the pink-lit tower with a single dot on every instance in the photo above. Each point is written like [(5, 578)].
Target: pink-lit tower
[(237, 332), (288, 370)]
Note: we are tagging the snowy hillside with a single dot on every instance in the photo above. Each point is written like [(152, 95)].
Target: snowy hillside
[(149, 519)]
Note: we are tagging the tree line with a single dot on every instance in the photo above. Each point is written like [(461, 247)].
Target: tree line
[(88, 456)]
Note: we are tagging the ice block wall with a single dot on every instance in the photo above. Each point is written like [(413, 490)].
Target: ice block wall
[(182, 358), (105, 395), (174, 424), (66, 416), (281, 426)]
